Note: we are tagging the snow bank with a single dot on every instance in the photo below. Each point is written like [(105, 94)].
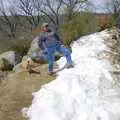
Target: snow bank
[(86, 92)]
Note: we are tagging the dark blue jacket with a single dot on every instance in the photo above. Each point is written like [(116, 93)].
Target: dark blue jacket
[(48, 39)]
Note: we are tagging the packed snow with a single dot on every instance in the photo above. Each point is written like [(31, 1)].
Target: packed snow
[(85, 92)]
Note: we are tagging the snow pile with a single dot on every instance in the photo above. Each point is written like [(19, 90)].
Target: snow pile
[(86, 92)]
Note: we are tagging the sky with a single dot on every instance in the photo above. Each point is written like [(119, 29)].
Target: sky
[(99, 5)]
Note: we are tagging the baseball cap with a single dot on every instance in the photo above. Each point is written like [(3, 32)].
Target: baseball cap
[(45, 24)]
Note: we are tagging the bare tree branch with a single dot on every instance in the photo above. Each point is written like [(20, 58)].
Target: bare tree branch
[(10, 21), (33, 14), (72, 6), (113, 7)]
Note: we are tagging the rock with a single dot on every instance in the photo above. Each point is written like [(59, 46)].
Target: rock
[(4, 64), (36, 53), (114, 37), (21, 66), (26, 61), (18, 68), (34, 46), (38, 56), (27, 64), (11, 57), (25, 58)]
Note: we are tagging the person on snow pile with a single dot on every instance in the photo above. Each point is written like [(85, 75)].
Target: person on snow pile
[(50, 42)]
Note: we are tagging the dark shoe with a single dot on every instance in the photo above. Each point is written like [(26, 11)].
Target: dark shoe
[(50, 73), (69, 66)]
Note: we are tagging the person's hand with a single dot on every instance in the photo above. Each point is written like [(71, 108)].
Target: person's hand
[(45, 51), (62, 45)]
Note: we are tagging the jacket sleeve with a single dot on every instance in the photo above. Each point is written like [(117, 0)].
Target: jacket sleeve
[(41, 42), (58, 38)]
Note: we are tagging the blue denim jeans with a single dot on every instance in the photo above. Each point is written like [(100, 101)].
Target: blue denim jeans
[(51, 55)]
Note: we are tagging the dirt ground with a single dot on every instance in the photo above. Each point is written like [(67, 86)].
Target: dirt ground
[(16, 92)]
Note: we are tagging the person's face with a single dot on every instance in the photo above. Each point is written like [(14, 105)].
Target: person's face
[(45, 29)]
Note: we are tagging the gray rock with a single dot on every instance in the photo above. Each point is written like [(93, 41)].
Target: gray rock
[(36, 53), (11, 57), (25, 58), (18, 68), (34, 46)]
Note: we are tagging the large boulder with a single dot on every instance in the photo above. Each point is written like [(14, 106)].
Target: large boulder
[(18, 68), (34, 46), (36, 53), (9, 59)]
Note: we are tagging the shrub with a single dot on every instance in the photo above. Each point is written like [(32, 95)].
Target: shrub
[(91, 23), (21, 46), (72, 29), (37, 30), (81, 24), (106, 22)]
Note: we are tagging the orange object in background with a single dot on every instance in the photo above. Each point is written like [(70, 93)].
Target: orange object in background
[(104, 22)]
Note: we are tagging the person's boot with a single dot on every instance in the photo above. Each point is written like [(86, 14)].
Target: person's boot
[(50, 73), (69, 66)]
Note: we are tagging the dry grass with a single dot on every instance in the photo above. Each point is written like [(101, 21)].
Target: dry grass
[(16, 92)]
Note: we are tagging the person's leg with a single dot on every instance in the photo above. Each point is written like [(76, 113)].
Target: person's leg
[(66, 53), (51, 56)]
